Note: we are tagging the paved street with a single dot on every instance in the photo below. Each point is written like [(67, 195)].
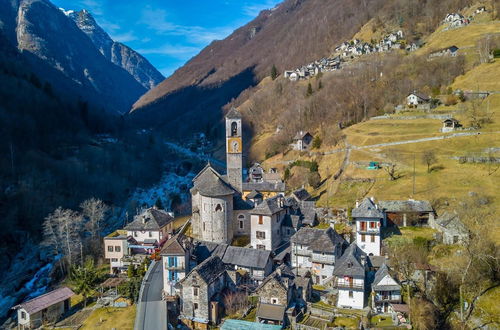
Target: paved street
[(151, 310)]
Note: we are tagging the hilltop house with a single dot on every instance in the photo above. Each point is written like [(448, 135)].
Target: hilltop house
[(47, 308), (416, 98), (176, 256), (450, 125), (350, 276), (316, 251), (201, 293), (386, 291), (369, 219), (302, 141), (266, 222), (151, 227), (407, 212)]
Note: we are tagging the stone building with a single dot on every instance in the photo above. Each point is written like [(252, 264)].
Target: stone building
[(302, 141), (316, 251), (409, 212), (369, 220), (201, 293), (234, 149), (452, 230)]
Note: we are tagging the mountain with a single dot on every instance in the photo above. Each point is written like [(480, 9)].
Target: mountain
[(116, 52), (64, 56)]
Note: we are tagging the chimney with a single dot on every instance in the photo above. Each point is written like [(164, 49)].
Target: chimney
[(363, 260), (278, 271), (372, 199), (357, 203), (143, 219)]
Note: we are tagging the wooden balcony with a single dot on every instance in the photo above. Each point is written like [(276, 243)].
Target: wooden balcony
[(348, 285)]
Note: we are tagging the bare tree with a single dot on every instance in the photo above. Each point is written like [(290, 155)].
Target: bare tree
[(429, 159), (235, 301), (94, 210), (484, 49), (393, 171)]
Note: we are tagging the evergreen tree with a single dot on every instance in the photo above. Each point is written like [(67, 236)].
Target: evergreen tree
[(84, 279), (274, 72), (309, 90)]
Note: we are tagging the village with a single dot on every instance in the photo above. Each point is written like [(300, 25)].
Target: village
[(252, 257)]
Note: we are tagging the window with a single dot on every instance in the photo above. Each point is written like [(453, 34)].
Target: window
[(114, 259), (195, 305), (351, 294), (241, 224), (322, 266), (150, 234), (135, 234), (261, 247), (241, 216), (110, 248), (218, 208), (234, 128), (274, 301), (260, 234), (323, 277), (195, 291), (204, 227), (372, 238), (261, 220), (23, 315), (455, 239), (363, 237), (373, 224), (118, 248)]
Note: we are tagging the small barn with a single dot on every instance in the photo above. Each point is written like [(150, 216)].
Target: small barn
[(450, 125)]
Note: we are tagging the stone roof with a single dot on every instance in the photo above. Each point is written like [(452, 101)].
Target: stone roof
[(379, 276), (367, 209), (211, 184), (406, 206), (246, 257), (301, 194), (301, 134), (46, 300), (378, 261), (324, 240), (308, 211), (173, 247), (349, 264), (233, 114), (254, 194), (291, 220), (271, 312), (268, 206), (451, 221), (204, 250), (209, 270), (240, 204), (420, 95), (264, 186), (150, 219)]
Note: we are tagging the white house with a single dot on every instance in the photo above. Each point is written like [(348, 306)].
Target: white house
[(386, 291), (302, 140), (350, 275), (265, 223), (416, 98), (369, 219), (175, 257), (151, 226)]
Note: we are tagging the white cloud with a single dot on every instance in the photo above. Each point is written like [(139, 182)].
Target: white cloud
[(95, 7), (177, 51), (254, 9), (123, 37)]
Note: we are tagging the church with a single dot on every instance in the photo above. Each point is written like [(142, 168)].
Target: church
[(219, 212)]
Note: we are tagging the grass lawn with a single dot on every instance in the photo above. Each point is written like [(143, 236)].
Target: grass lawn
[(323, 225), (346, 322), (251, 316), (381, 321), (180, 221), (111, 317), (241, 241)]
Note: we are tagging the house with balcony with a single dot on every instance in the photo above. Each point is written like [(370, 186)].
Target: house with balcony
[(152, 226), (385, 291), (266, 222), (175, 255), (316, 251), (349, 278), (369, 219)]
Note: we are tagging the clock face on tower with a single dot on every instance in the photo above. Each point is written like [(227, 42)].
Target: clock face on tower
[(234, 145)]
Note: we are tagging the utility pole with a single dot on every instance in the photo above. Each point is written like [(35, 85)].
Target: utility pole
[(414, 156)]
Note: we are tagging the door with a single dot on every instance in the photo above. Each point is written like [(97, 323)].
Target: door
[(351, 282)]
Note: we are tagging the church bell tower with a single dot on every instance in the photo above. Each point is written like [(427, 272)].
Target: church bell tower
[(234, 149)]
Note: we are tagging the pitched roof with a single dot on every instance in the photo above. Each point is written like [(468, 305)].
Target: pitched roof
[(420, 95), (209, 270), (406, 206), (318, 239), (301, 194), (379, 276), (204, 250), (271, 312), (301, 134), (233, 114), (451, 221), (173, 247), (240, 204), (367, 209), (150, 219), (349, 264), (254, 194), (268, 206), (246, 257), (264, 186), (46, 300), (211, 184)]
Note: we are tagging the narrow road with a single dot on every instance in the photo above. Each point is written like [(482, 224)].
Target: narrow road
[(151, 309)]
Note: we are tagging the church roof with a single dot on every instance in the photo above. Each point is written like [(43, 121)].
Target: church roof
[(233, 114), (211, 184)]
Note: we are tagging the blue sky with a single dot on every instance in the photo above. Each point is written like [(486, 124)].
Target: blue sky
[(169, 32)]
